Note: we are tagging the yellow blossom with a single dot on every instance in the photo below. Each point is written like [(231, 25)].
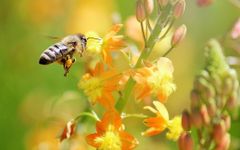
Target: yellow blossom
[(110, 42), (155, 79), (161, 122)]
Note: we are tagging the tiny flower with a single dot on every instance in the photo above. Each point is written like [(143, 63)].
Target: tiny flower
[(179, 8), (140, 11), (99, 85), (235, 33), (68, 131), (103, 46), (155, 79), (161, 122), (179, 35), (111, 135)]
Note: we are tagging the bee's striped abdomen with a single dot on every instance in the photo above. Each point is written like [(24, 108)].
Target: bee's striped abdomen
[(53, 53)]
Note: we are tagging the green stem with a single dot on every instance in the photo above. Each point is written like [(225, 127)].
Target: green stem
[(87, 114), (149, 44), (168, 51)]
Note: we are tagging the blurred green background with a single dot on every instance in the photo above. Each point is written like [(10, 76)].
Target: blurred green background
[(27, 87)]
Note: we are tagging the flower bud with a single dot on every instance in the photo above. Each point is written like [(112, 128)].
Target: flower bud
[(205, 74), (227, 121), (186, 120), (232, 100), (211, 108), (227, 85), (163, 3), (219, 131), (204, 114), (179, 35), (68, 130), (196, 119), (179, 8), (204, 2), (140, 11), (185, 142), (149, 6), (235, 33), (225, 143), (195, 99)]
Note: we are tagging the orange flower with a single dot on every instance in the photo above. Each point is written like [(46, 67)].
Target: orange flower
[(104, 46), (161, 122), (155, 79), (111, 135), (99, 85)]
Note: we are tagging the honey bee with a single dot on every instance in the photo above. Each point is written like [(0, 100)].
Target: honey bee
[(63, 51)]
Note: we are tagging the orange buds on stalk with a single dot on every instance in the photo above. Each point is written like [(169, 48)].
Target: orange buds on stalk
[(149, 6), (140, 11), (179, 8), (179, 35)]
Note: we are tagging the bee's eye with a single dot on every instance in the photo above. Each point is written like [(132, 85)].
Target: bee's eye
[(73, 43)]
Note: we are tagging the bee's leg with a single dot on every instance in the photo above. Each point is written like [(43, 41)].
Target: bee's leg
[(68, 63)]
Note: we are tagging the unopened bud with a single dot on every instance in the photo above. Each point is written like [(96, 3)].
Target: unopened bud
[(205, 74), (204, 2), (235, 33), (179, 35), (196, 119), (186, 120), (210, 92), (219, 131), (211, 108), (68, 130), (227, 121), (140, 11), (227, 85), (225, 143), (204, 114), (179, 8), (185, 142), (163, 3), (217, 82), (232, 100), (149, 6), (195, 99)]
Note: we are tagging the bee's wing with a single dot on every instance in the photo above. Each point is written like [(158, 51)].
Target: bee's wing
[(53, 37)]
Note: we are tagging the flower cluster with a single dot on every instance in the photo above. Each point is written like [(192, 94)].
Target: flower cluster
[(106, 85), (213, 98)]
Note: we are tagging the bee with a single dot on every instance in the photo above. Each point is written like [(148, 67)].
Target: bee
[(63, 51)]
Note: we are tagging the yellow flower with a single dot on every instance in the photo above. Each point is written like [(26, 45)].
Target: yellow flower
[(155, 79), (110, 134), (99, 84), (161, 122), (105, 45)]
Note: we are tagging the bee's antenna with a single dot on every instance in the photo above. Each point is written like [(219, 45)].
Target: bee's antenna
[(94, 38)]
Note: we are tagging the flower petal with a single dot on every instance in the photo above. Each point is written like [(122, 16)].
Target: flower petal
[(152, 131), (128, 141), (156, 122), (161, 109), (91, 139)]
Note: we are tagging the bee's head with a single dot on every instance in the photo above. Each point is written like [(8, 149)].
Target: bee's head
[(78, 41)]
